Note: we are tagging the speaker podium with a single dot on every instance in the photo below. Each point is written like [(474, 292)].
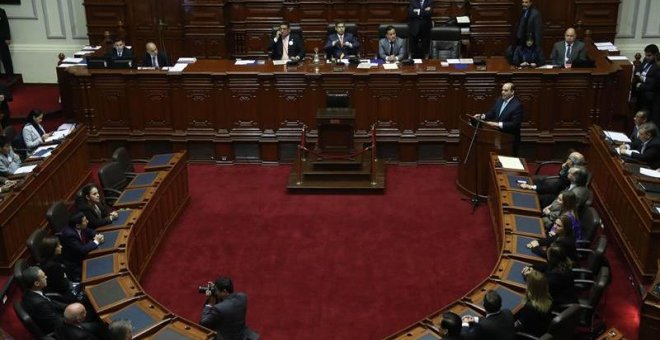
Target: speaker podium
[(337, 163)]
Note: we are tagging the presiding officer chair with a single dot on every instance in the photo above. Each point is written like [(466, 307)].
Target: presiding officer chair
[(445, 42)]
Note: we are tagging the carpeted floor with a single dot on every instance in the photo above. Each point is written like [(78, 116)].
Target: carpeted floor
[(28, 97)]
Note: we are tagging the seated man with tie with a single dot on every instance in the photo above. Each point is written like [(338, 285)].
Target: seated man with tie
[(565, 53), (77, 240), (640, 118), (340, 45), (392, 48), (648, 149), (506, 114), (153, 58), (120, 50), (286, 46), (46, 313)]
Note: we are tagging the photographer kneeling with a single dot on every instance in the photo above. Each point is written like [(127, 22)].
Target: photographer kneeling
[(224, 310)]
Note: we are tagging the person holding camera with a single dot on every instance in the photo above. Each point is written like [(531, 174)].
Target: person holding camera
[(224, 310)]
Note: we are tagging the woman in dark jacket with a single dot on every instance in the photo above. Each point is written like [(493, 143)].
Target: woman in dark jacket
[(97, 213), (529, 55), (58, 282), (534, 318), (562, 234), (559, 275)]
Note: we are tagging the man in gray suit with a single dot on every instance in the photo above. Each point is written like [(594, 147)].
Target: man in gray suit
[(565, 53), (224, 311), (391, 48)]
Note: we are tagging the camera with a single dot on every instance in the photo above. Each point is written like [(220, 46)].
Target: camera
[(208, 287)]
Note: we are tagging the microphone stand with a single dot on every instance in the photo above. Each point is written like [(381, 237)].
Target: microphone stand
[(476, 199)]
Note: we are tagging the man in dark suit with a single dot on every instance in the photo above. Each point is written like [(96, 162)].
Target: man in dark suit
[(497, 324), (286, 46), (648, 151), (45, 312), (451, 327), (153, 58), (5, 41), (420, 24), (72, 327), (224, 311), (639, 118), (566, 52), (341, 44), (506, 114), (529, 25), (392, 48), (77, 240), (120, 50), (644, 77), (5, 98), (548, 187)]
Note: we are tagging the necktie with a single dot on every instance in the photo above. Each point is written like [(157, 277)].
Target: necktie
[(285, 49), (341, 40), (568, 53), (119, 53), (643, 147), (83, 238), (391, 48), (502, 108), (154, 61)]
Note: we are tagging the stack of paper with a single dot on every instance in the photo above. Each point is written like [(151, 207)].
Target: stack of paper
[(66, 126), (25, 169), (513, 163), (90, 48), (649, 172), (82, 53), (43, 151), (390, 66), (617, 136), (72, 60), (463, 20), (243, 61), (279, 62), (617, 57), (186, 60), (58, 135), (606, 46), (177, 68)]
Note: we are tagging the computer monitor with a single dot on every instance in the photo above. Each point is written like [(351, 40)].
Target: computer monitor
[(122, 62), (97, 62)]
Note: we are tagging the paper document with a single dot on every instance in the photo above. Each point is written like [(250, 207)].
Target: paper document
[(649, 172), (463, 19), (418, 61), (82, 53), (67, 65), (366, 65), (606, 43), (66, 126), (390, 66), (186, 60), (453, 61), (279, 62), (466, 61), (91, 48), (617, 137), (617, 57), (511, 163), (25, 169), (70, 60), (43, 151), (244, 62), (444, 64), (177, 68), (57, 135)]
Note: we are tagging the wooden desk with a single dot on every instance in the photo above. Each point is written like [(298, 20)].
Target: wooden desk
[(522, 202), (134, 197), (102, 267), (113, 240), (23, 210), (112, 293), (125, 219), (146, 179), (513, 300), (516, 246), (524, 225), (144, 313), (509, 271), (627, 211), (226, 113), (163, 161), (179, 328)]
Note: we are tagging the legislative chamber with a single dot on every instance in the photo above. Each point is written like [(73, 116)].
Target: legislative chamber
[(220, 111)]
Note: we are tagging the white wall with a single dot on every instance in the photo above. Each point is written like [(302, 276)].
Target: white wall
[(638, 26), (40, 30)]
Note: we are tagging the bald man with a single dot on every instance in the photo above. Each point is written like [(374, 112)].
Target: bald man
[(154, 58), (565, 53), (506, 115), (72, 328)]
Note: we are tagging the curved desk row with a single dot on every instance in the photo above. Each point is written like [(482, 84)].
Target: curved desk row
[(111, 273), (516, 222), (23, 210)]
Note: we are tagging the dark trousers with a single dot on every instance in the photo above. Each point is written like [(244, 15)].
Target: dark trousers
[(6, 58), (420, 44)]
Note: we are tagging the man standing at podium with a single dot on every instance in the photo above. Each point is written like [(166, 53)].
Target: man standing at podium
[(506, 115)]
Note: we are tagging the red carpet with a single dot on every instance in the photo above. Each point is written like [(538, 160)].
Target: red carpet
[(333, 266), (28, 97), (325, 266)]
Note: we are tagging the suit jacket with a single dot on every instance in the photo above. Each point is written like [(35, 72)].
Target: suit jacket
[(296, 47), (163, 61), (73, 332), (529, 55), (419, 24), (227, 317), (511, 117), (58, 282), (125, 53), (651, 154), (578, 52), (400, 48), (32, 136), (5, 32), (635, 142), (95, 219), (47, 314), (74, 250), (561, 284), (534, 26), (497, 326), (9, 163), (337, 50)]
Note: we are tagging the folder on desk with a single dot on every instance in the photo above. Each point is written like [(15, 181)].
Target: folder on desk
[(144, 179), (521, 246), (122, 217), (158, 161), (530, 225), (524, 200), (511, 299), (131, 196), (111, 292)]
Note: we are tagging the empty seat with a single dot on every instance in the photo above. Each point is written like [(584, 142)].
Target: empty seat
[(57, 216), (445, 42)]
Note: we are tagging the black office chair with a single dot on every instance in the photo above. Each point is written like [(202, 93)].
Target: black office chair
[(336, 100), (58, 216), (34, 243), (445, 42), (590, 324), (594, 260), (17, 142), (562, 326), (19, 267), (590, 222), (121, 156), (29, 324), (113, 181)]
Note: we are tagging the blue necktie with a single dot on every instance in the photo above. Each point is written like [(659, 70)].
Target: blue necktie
[(502, 108)]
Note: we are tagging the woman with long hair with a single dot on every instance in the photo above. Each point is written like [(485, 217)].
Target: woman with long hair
[(562, 234), (98, 214), (534, 318), (58, 282), (565, 204), (33, 132)]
